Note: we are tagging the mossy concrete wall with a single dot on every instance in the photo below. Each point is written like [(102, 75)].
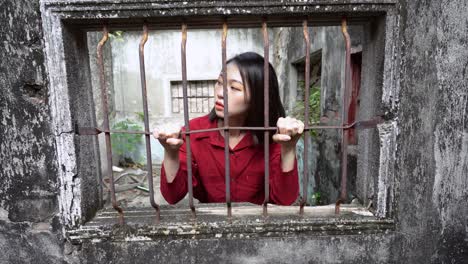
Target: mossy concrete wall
[(431, 196)]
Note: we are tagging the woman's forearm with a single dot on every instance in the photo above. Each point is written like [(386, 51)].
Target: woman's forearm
[(288, 155), (171, 164)]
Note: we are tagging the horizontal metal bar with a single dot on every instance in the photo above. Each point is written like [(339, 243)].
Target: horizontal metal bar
[(194, 97), (365, 124)]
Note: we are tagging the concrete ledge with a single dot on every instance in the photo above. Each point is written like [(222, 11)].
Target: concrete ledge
[(247, 223), (130, 14)]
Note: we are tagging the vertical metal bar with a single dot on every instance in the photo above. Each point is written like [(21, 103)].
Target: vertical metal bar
[(344, 117), (186, 119), (149, 164), (266, 115), (197, 99), (226, 125), (180, 101), (105, 112), (305, 179)]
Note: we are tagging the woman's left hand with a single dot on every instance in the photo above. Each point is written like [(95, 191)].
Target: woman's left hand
[(289, 131)]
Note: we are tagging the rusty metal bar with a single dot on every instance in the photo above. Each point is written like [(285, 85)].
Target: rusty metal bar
[(305, 179), (266, 114), (105, 112), (344, 117), (226, 125), (186, 119), (149, 164), (364, 124)]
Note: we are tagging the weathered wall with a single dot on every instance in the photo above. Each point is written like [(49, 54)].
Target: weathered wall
[(340, 249), (432, 184), (28, 178), (433, 141)]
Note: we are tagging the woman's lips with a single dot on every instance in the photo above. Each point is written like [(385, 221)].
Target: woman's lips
[(219, 106)]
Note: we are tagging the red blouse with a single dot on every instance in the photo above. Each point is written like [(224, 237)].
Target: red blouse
[(247, 170)]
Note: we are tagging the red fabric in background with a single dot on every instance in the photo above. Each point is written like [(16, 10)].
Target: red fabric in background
[(356, 62)]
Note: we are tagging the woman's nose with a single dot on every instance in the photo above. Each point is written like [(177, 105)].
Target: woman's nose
[(219, 92)]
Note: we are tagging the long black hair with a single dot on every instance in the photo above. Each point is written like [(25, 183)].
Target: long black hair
[(250, 65)]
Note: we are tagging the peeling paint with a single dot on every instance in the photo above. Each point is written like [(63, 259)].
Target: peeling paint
[(388, 134), (70, 191)]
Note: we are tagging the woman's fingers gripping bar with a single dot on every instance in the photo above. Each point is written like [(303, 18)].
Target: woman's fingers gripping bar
[(288, 128), (169, 136)]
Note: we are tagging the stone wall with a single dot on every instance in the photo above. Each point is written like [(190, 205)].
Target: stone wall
[(432, 161), (431, 203), (28, 177)]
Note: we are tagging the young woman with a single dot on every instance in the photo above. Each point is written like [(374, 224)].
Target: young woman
[(245, 98)]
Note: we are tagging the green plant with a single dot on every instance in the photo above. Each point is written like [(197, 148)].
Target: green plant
[(117, 35), (126, 145), (316, 198), (314, 106), (141, 116)]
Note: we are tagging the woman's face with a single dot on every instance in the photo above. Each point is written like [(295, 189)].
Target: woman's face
[(238, 94)]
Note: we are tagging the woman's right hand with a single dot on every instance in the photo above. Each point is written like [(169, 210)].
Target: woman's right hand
[(169, 136)]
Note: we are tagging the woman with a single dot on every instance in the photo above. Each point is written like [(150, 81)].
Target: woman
[(245, 99)]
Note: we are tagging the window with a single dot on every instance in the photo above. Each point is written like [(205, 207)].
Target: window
[(72, 102), (200, 96)]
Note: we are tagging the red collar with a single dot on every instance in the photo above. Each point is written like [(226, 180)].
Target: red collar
[(216, 139)]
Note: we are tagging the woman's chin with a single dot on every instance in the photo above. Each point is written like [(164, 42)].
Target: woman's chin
[(219, 113)]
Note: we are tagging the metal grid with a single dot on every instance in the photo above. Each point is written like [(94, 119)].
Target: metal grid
[(344, 127), (200, 96)]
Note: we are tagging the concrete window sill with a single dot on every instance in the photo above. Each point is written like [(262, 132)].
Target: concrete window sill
[(247, 223)]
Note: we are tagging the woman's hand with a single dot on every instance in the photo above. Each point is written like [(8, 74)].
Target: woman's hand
[(169, 137), (289, 131)]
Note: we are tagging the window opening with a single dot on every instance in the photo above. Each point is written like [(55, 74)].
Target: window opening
[(192, 91)]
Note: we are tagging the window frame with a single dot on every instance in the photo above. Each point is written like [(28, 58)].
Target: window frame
[(65, 24), (177, 97)]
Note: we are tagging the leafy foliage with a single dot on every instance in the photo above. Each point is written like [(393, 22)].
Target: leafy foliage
[(314, 106), (141, 116), (316, 198), (126, 145), (117, 35)]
